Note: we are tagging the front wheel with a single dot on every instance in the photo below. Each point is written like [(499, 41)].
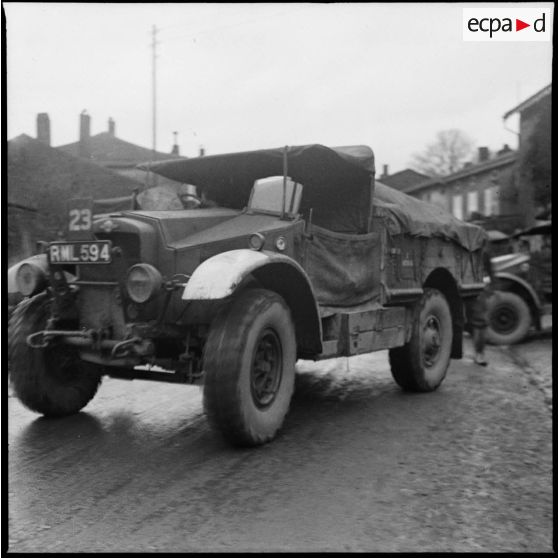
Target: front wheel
[(509, 319), (51, 381), (249, 364), (421, 364)]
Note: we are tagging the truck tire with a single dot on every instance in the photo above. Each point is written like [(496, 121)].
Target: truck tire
[(421, 364), (249, 364), (52, 381), (509, 319)]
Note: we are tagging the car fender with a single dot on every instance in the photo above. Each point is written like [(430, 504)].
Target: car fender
[(39, 260), (526, 291), (219, 276)]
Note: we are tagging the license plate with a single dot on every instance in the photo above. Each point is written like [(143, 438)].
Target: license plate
[(97, 252)]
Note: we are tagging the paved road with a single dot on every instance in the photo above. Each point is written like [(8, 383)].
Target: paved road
[(359, 466)]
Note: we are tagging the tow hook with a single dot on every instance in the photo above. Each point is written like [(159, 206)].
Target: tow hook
[(91, 339), (42, 339), (122, 349)]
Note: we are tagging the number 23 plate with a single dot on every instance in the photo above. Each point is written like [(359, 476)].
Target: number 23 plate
[(97, 252)]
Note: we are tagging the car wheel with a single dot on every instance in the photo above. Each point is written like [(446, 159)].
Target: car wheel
[(421, 364), (52, 381), (249, 365), (509, 319)]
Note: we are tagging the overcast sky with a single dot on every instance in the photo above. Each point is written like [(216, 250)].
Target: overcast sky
[(233, 77)]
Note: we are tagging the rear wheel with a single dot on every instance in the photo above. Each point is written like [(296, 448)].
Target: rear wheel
[(52, 381), (249, 363), (422, 363), (509, 318)]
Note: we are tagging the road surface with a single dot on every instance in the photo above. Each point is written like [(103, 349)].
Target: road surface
[(358, 466)]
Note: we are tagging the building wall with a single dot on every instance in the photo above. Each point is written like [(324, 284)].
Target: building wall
[(488, 192), (531, 119)]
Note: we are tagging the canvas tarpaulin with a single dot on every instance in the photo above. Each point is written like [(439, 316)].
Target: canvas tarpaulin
[(228, 178), (337, 185), (344, 269), (418, 218)]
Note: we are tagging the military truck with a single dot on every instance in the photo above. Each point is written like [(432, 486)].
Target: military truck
[(522, 287), (292, 253)]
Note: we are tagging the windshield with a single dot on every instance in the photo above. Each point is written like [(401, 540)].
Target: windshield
[(267, 195)]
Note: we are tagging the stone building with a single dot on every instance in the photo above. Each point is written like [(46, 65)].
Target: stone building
[(533, 167), (506, 190), (483, 190)]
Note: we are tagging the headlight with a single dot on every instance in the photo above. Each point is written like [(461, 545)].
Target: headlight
[(257, 241), (30, 279), (524, 267), (143, 282)]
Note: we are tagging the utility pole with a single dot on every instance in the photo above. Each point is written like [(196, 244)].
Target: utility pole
[(154, 44)]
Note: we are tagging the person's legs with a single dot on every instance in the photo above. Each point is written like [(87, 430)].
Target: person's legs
[(479, 323), (479, 343)]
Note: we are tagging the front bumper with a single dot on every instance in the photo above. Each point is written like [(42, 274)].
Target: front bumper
[(94, 340)]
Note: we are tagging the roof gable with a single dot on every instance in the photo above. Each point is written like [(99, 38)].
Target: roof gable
[(404, 179), (107, 149), (44, 177), (500, 161), (546, 91)]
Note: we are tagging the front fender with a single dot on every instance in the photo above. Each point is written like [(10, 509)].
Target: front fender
[(523, 285), (39, 260), (219, 276)]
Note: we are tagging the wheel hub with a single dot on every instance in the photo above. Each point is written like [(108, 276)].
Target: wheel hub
[(432, 340), (266, 370), (503, 319)]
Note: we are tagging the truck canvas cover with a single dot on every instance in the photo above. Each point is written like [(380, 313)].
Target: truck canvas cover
[(339, 179), (419, 218)]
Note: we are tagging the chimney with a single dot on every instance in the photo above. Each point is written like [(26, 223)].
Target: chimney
[(111, 127), (84, 134), (385, 173), (484, 154), (202, 150), (505, 149), (43, 128), (175, 149)]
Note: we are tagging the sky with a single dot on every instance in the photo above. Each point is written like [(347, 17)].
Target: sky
[(235, 77)]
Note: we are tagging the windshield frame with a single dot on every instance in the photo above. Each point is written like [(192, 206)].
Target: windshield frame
[(291, 211)]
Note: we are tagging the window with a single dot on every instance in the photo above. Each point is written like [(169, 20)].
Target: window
[(472, 202), (490, 199), (267, 195), (457, 206)]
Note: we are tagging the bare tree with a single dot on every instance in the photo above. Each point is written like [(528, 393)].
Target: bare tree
[(445, 155)]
